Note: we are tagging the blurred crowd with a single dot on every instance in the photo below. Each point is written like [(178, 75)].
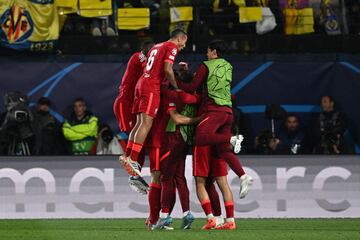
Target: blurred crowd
[(212, 17), (27, 129)]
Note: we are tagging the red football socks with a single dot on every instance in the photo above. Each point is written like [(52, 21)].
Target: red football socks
[(215, 200), (154, 202), (229, 207), (135, 151), (206, 205), (129, 147)]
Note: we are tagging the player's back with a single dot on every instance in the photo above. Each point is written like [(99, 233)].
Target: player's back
[(157, 56), (134, 71)]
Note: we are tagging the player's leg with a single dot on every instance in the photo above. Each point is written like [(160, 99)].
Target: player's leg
[(207, 132), (215, 200), (137, 183), (132, 135), (228, 203), (201, 169), (130, 163), (181, 185), (219, 171), (205, 202), (125, 120), (167, 167), (147, 101), (155, 185), (224, 152)]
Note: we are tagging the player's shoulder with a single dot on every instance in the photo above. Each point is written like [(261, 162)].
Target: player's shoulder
[(138, 57)]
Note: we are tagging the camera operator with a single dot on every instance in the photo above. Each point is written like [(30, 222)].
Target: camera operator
[(48, 130), (266, 143), (107, 143), (17, 131), (291, 137), (330, 128)]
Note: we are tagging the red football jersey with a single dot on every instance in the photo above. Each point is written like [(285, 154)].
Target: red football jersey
[(157, 56), (134, 71)]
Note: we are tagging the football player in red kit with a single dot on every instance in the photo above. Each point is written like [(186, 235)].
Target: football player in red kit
[(158, 139), (206, 167), (215, 75), (123, 104), (147, 94)]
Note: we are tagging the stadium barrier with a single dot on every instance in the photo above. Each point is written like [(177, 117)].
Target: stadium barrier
[(96, 187)]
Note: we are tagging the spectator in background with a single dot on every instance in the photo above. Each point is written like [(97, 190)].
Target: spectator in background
[(291, 137), (48, 129), (81, 129), (107, 143), (329, 129)]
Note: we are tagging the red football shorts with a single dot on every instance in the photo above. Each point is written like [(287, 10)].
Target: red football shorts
[(147, 98), (156, 157), (124, 116), (207, 164)]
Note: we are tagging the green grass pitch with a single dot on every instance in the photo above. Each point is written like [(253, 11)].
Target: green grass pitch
[(133, 229)]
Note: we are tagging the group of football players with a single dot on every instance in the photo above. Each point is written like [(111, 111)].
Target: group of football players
[(165, 112)]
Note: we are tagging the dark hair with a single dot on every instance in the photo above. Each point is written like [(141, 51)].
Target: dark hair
[(79, 99), (330, 98), (147, 44), (219, 45), (291, 115), (44, 101), (177, 32)]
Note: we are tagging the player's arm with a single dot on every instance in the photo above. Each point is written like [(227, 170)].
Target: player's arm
[(189, 98), (169, 74), (199, 77), (183, 120)]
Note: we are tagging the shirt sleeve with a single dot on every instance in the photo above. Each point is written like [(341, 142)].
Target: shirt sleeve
[(170, 54), (170, 97), (199, 77)]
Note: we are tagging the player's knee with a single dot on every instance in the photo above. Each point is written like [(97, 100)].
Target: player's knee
[(200, 181)]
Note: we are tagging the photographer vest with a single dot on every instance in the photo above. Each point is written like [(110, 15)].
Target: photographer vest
[(219, 81)]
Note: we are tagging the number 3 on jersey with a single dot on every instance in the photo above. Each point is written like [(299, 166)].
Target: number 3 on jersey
[(151, 59)]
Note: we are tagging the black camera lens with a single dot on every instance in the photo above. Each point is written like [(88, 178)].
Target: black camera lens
[(21, 116)]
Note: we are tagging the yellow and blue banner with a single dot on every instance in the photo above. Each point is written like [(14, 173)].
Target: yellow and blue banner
[(29, 24)]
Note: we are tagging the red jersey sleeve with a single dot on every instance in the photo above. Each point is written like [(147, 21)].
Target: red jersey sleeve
[(141, 61), (199, 77), (170, 97), (170, 54), (188, 98)]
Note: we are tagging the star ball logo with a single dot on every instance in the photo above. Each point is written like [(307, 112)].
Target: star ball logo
[(16, 25)]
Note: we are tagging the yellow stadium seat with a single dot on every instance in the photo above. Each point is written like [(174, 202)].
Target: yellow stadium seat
[(305, 21), (298, 21), (95, 8), (133, 18), (66, 6), (250, 14), (181, 14)]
